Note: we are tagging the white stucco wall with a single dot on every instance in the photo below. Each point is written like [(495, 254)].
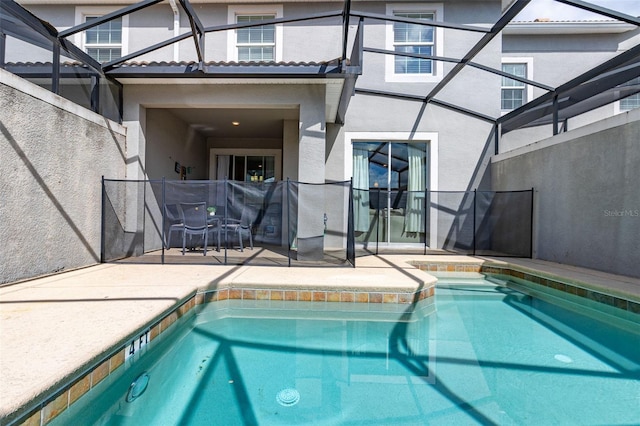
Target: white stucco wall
[(55, 153), (587, 202)]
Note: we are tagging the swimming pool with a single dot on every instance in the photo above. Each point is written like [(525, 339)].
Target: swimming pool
[(480, 353)]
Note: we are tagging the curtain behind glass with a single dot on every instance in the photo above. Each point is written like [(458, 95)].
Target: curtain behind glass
[(361, 190), (222, 167), (222, 173), (414, 219)]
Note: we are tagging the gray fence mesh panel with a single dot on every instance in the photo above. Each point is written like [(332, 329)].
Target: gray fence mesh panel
[(451, 221), (122, 234), (504, 223), (302, 222), (144, 217)]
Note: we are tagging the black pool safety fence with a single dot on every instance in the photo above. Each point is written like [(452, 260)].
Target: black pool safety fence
[(291, 223)]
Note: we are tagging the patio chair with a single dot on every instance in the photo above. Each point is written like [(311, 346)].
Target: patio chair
[(240, 228), (173, 223), (214, 223), (194, 222)]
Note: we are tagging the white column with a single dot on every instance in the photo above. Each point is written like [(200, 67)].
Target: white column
[(311, 169)]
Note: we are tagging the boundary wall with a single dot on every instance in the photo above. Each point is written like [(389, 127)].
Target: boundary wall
[(587, 202), (54, 154)]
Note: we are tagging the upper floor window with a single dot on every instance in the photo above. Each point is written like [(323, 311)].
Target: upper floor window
[(633, 101), (413, 38), (107, 41), (104, 42), (262, 43), (256, 43), (514, 93), (417, 39)]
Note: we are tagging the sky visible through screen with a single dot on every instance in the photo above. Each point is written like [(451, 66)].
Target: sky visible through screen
[(561, 12)]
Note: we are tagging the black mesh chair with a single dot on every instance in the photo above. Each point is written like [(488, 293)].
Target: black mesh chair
[(194, 222)]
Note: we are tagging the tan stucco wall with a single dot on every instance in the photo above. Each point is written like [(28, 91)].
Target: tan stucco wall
[(54, 154)]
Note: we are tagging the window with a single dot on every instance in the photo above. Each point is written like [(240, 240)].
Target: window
[(104, 42), (257, 44), (107, 41), (514, 93), (413, 38), (633, 101), (416, 39)]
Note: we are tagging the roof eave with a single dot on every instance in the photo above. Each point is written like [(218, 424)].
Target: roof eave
[(552, 28), (226, 71)]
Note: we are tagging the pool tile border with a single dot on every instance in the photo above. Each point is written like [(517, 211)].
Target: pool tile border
[(575, 288), (327, 296)]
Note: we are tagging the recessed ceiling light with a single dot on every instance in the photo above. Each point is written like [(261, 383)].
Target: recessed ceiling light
[(235, 123)]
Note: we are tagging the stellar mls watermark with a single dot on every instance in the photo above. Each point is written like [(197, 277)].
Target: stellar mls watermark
[(622, 213)]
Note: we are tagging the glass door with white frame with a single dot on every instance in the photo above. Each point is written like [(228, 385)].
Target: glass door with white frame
[(247, 168), (389, 181)]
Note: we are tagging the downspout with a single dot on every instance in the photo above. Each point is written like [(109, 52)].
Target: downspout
[(176, 28)]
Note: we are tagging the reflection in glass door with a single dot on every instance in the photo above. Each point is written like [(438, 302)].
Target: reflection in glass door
[(390, 180)]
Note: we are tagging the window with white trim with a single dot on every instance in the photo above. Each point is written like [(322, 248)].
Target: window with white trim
[(261, 43), (256, 43), (107, 41), (104, 42), (415, 39), (515, 93)]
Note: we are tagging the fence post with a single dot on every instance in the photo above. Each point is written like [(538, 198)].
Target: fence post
[(475, 196), (164, 211), (531, 226), (351, 238), (226, 202), (102, 223), (426, 197), (288, 224), (377, 221)]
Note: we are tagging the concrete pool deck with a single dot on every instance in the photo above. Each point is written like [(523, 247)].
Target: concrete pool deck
[(54, 327)]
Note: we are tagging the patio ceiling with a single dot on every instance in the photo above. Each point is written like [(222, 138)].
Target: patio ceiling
[(253, 123), (591, 89)]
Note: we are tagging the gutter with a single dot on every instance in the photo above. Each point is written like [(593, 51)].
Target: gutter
[(176, 29), (566, 27)]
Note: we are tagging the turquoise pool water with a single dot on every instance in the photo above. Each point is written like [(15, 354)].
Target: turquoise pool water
[(481, 354)]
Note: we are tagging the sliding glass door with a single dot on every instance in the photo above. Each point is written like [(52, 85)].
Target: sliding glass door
[(390, 180), (245, 165), (253, 168)]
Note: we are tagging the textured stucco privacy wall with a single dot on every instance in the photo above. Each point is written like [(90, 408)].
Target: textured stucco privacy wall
[(54, 155), (587, 202)]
